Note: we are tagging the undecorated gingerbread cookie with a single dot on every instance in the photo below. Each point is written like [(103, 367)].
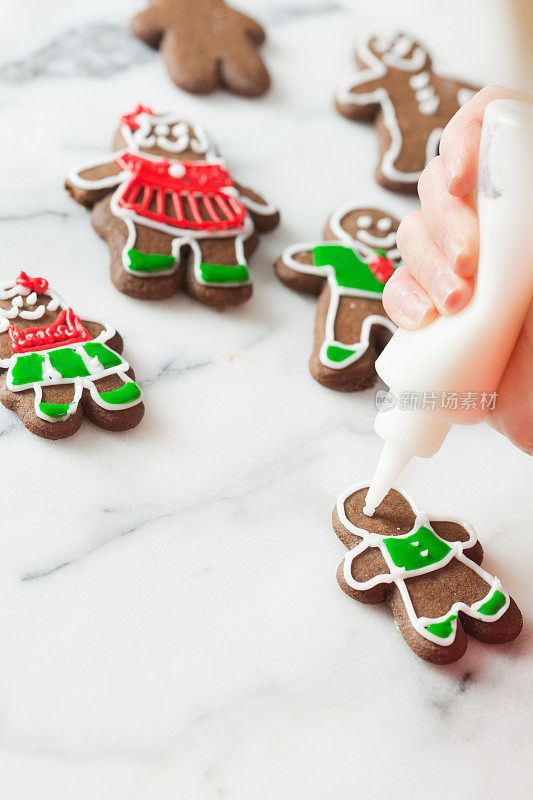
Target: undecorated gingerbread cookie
[(348, 271), (171, 213), (57, 367), (205, 44), (409, 102), (427, 569)]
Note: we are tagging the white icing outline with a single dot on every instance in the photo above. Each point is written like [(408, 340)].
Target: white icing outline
[(53, 377), (327, 271), (375, 70), (188, 237), (398, 575), (142, 136)]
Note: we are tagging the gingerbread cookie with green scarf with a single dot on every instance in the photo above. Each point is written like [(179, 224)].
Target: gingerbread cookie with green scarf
[(348, 270), (427, 570), (57, 367), (171, 213)]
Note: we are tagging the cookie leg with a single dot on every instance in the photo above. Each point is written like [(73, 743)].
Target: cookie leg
[(145, 263), (423, 647), (52, 412), (500, 631), (217, 272), (113, 402), (349, 334)]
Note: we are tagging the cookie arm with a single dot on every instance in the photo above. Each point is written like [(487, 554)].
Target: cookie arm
[(104, 333), (364, 575), (452, 531), (147, 26), (250, 26), (89, 182), (264, 214), (296, 269), (360, 96)]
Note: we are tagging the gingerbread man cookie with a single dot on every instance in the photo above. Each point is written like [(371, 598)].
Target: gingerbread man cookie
[(348, 271), (427, 570), (58, 367), (205, 44), (408, 101), (171, 213)]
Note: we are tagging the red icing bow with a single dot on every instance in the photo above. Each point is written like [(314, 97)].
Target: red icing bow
[(37, 285), (131, 119), (381, 267)]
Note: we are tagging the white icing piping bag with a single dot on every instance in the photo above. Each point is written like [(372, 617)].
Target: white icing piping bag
[(467, 352)]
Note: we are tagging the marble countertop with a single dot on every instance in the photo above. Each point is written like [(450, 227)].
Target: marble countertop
[(170, 622)]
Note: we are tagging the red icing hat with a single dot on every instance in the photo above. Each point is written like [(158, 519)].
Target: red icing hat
[(131, 119), (38, 285)]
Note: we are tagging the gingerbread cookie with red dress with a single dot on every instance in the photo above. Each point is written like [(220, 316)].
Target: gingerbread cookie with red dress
[(427, 570), (409, 102), (348, 271), (56, 367), (205, 44), (171, 213)]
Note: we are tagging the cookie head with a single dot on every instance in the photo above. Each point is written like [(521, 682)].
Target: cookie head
[(27, 301), (399, 51), (393, 517), (374, 229), (165, 135)]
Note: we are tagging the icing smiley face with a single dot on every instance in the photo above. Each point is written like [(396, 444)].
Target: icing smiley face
[(371, 229), (400, 51), (26, 301), (165, 135)]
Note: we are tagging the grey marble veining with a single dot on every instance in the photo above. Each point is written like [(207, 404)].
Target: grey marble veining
[(97, 50)]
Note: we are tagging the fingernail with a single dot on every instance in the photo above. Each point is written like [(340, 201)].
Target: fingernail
[(415, 308), (446, 287), (453, 169), (453, 247)]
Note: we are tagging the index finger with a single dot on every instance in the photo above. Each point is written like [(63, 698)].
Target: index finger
[(459, 146)]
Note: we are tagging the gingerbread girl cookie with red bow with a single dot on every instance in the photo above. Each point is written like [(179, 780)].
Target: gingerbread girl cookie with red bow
[(348, 271), (409, 102), (427, 570), (205, 44), (57, 367), (171, 213)]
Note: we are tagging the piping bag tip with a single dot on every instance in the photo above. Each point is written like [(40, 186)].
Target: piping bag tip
[(391, 463)]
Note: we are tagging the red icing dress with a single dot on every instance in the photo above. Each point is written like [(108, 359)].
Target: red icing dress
[(188, 195)]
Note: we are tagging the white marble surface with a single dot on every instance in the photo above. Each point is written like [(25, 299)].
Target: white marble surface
[(170, 623)]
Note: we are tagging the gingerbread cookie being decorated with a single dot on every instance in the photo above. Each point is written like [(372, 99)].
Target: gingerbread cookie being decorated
[(409, 102), (348, 270), (427, 569), (171, 213), (57, 367)]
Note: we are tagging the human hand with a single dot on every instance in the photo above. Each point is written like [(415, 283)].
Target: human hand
[(439, 245)]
